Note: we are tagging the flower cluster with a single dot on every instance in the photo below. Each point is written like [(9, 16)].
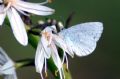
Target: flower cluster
[(80, 39)]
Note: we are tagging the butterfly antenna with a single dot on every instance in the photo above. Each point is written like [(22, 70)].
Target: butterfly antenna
[(68, 20)]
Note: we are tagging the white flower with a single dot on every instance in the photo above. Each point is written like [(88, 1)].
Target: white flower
[(10, 8), (47, 48), (7, 69)]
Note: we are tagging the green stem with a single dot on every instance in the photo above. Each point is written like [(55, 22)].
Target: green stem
[(24, 63)]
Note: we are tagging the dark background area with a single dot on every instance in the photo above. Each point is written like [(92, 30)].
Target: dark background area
[(103, 63)]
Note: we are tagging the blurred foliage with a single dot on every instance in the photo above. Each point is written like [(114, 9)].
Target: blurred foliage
[(103, 63)]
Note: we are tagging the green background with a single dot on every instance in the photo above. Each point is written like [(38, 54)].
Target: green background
[(103, 63)]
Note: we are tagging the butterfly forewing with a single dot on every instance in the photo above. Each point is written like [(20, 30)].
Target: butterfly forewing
[(82, 38)]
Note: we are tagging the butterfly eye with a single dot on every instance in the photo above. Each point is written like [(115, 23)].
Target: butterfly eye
[(54, 32)]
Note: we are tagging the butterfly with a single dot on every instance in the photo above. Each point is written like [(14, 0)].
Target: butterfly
[(80, 39)]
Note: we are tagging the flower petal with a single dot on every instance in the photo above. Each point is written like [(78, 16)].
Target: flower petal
[(17, 26), (2, 15), (11, 76), (1, 1), (60, 73), (3, 57), (39, 58), (46, 48), (8, 68), (34, 8), (55, 56)]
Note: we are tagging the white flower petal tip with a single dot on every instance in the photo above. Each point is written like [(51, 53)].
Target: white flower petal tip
[(46, 10), (34, 8), (24, 42), (52, 11)]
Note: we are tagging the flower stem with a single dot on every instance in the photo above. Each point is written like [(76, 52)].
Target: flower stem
[(24, 63)]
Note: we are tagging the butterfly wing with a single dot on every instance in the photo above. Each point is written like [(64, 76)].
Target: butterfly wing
[(81, 39)]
